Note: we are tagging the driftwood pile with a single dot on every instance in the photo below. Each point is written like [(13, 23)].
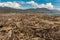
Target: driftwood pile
[(29, 27)]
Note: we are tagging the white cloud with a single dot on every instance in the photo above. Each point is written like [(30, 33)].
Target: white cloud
[(57, 9), (10, 4), (22, 2), (47, 5), (19, 5), (33, 3)]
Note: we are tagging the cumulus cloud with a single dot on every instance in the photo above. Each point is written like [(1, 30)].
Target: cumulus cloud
[(10, 4), (47, 5), (22, 2), (57, 9), (19, 5), (32, 3)]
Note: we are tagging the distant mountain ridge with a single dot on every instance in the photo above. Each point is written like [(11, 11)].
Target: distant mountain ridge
[(32, 10)]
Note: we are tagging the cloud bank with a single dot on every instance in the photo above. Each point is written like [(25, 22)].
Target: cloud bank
[(10, 4), (47, 5), (19, 6)]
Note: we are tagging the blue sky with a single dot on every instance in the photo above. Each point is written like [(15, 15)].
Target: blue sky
[(24, 5)]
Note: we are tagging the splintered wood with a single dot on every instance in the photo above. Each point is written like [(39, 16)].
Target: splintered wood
[(29, 27)]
